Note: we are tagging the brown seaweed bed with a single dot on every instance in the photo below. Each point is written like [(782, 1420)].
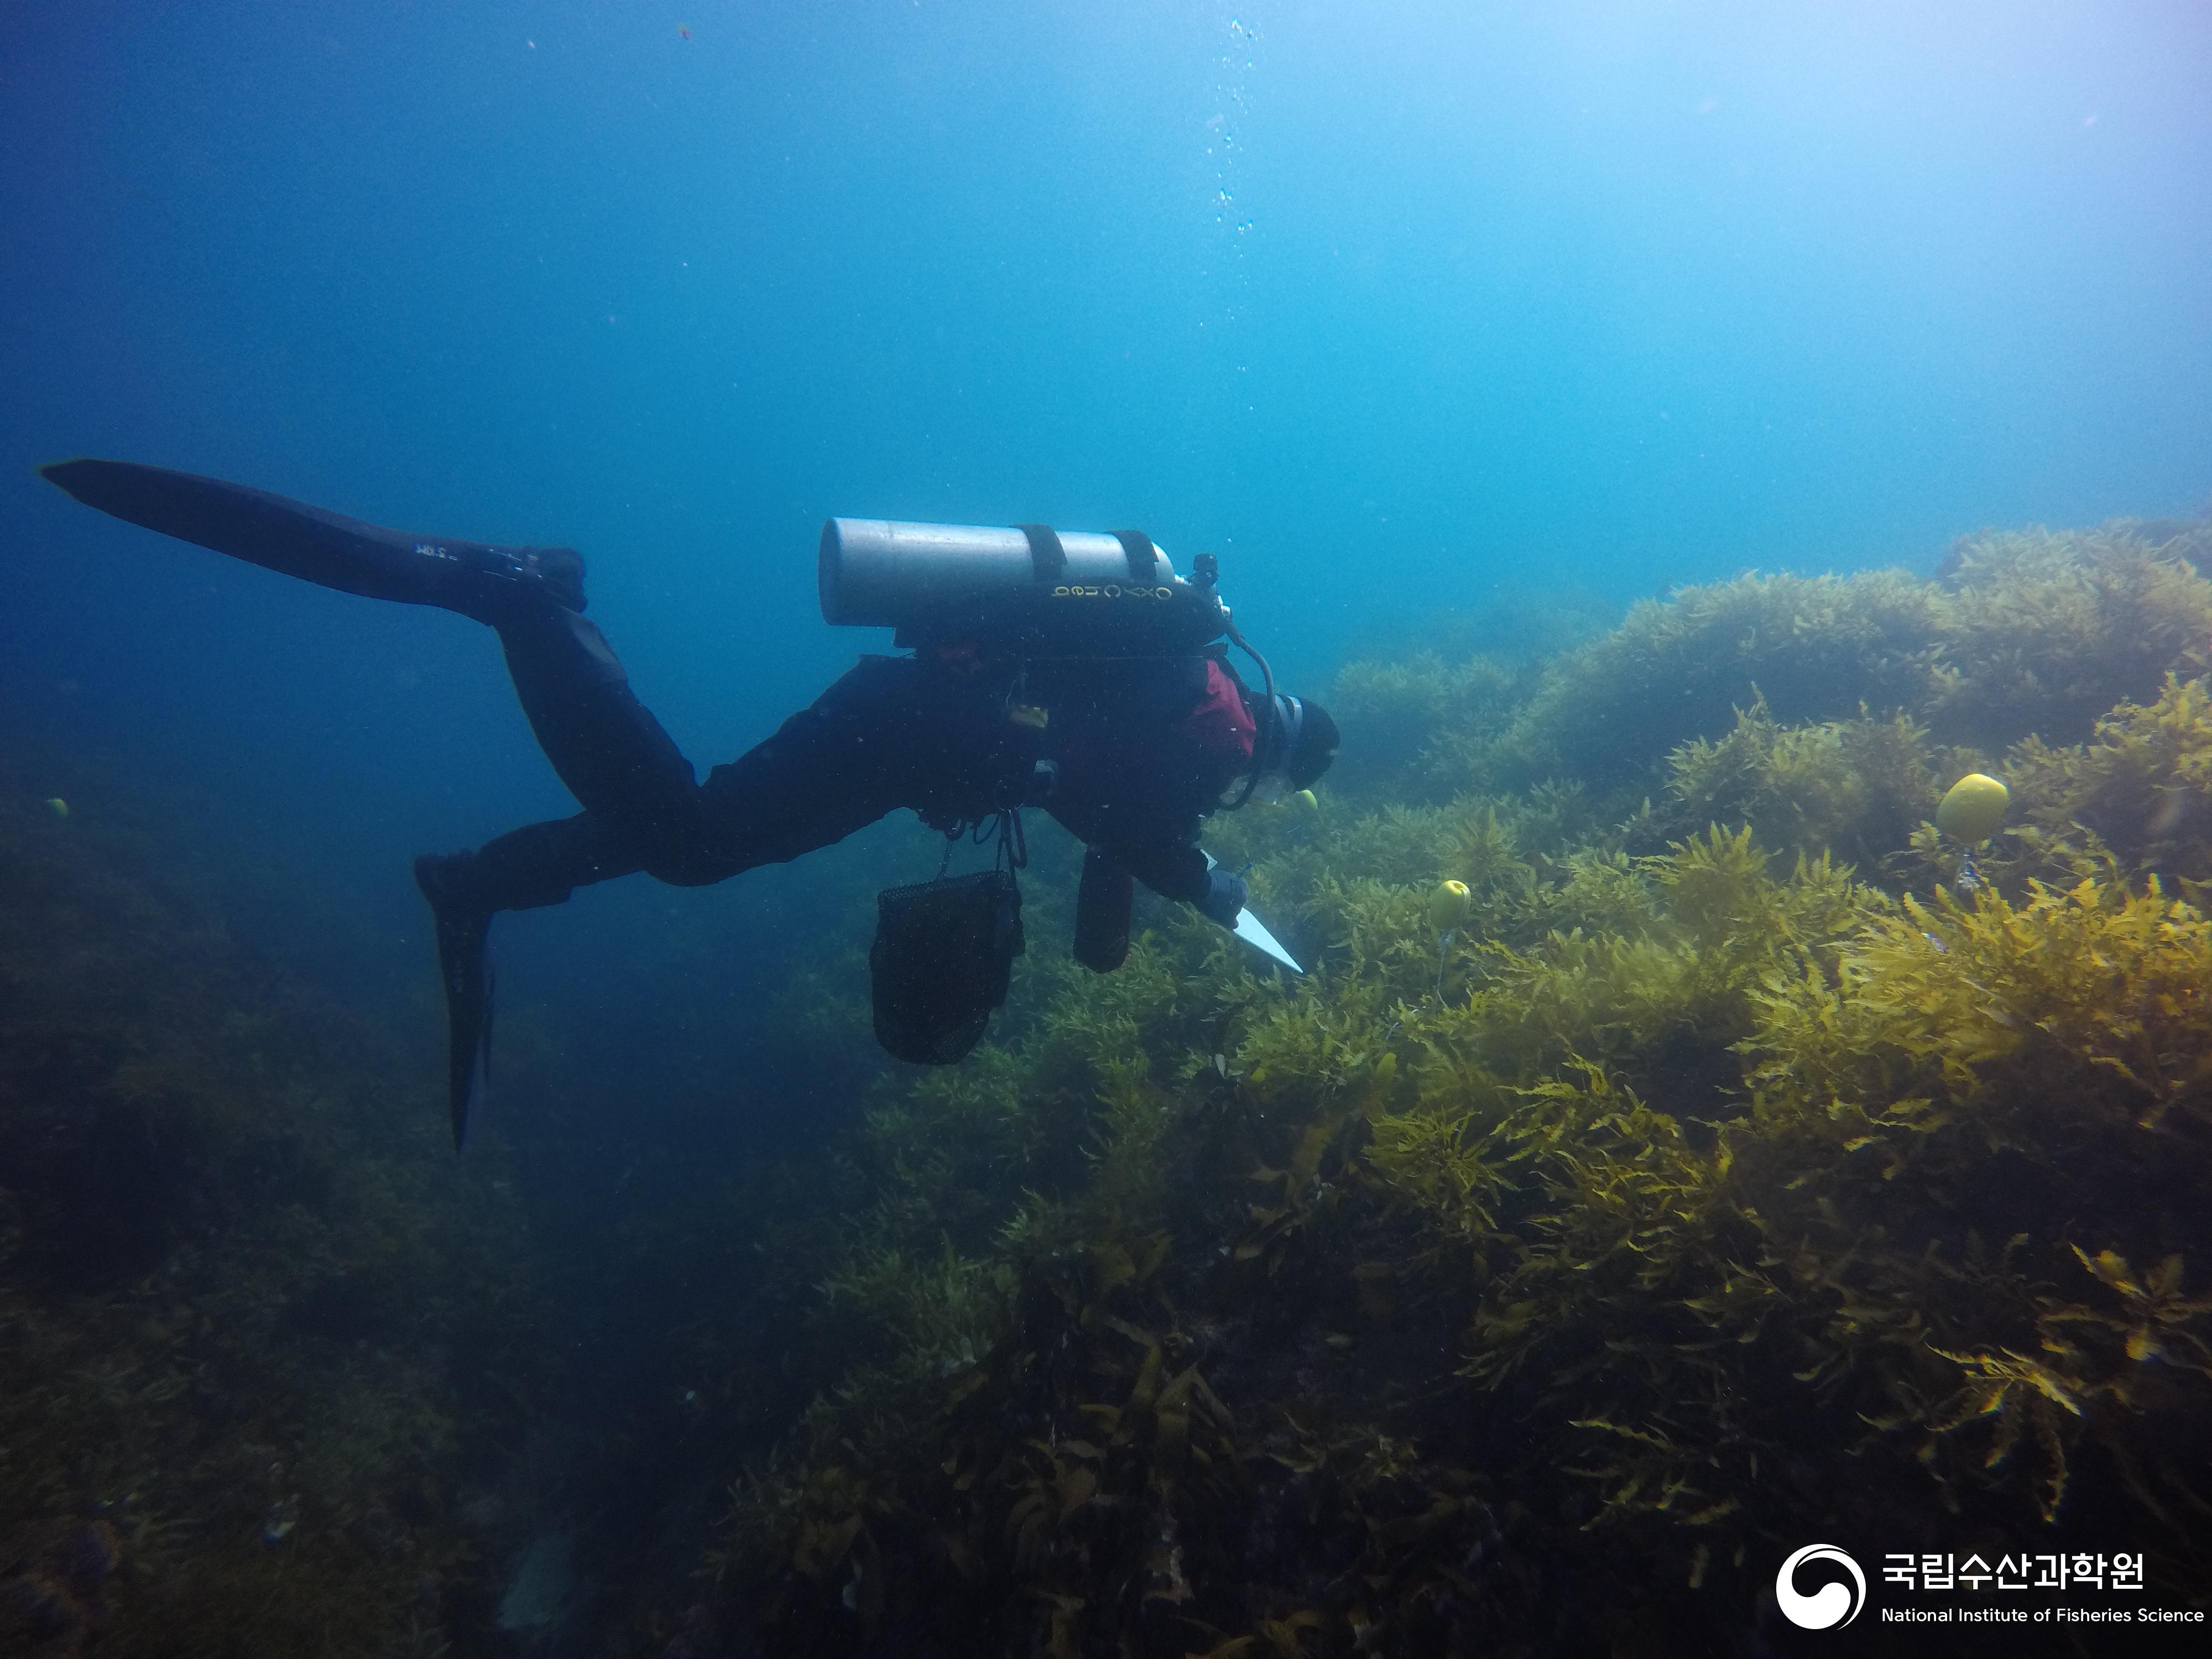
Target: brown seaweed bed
[(1735, 1176)]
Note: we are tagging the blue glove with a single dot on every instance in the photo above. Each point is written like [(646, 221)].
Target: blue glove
[(1225, 896)]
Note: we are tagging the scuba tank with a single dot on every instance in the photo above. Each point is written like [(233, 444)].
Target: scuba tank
[(1027, 589)]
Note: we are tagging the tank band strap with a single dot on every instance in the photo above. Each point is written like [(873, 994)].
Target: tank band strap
[(1143, 558), (1046, 556)]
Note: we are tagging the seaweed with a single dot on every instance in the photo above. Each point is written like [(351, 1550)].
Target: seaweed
[(1812, 647), (2142, 787), (1417, 728), (255, 1336), (2028, 631), (2048, 630), (1736, 1173), (1748, 1165)]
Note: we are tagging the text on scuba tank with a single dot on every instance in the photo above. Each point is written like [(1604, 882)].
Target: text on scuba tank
[(1112, 591)]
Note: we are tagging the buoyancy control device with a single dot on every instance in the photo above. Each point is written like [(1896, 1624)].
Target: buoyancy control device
[(1034, 594)]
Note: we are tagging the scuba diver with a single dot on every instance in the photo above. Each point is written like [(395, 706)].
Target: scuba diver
[(1078, 673)]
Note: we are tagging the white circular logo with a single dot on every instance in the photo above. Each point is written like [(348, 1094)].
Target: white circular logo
[(1828, 1606)]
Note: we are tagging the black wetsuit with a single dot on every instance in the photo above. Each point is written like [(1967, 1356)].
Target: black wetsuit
[(1143, 748), (1144, 745)]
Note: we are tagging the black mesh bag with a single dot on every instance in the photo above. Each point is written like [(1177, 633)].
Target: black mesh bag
[(945, 951)]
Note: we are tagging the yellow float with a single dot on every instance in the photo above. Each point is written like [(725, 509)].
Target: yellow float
[(1973, 809), (1449, 905)]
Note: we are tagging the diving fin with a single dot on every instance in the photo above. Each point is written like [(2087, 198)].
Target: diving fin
[(1254, 932), (328, 549), (464, 969)]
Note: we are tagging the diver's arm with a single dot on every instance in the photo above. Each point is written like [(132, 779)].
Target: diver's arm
[(1174, 870), (1180, 870)]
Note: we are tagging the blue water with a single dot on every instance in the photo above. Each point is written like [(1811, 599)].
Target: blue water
[(1420, 316), (1403, 310)]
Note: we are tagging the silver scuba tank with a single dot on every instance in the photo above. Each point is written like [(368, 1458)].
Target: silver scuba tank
[(1026, 588)]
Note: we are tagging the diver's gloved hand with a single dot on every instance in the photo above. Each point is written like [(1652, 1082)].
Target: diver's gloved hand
[(1225, 896)]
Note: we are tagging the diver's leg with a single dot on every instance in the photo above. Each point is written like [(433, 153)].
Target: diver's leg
[(612, 753), (832, 768), (815, 782), (636, 785), (606, 746), (537, 864), (608, 749), (894, 731)]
